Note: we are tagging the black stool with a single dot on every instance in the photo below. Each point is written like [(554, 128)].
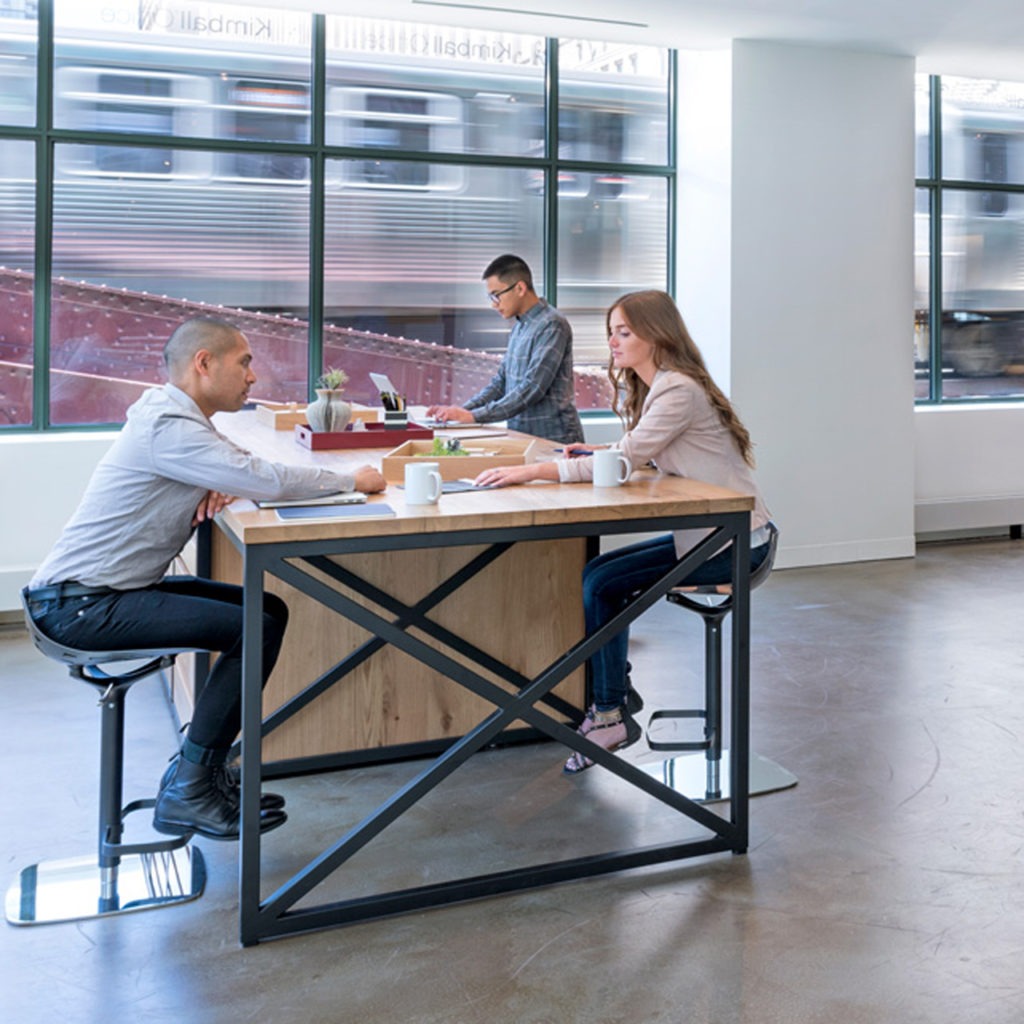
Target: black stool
[(125, 876), (713, 603)]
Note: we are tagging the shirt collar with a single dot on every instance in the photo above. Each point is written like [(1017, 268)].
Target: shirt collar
[(533, 311), (185, 400)]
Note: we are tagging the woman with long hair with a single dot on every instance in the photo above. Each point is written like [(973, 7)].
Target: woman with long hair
[(677, 419)]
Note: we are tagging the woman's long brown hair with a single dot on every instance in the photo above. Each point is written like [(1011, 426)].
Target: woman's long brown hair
[(653, 316)]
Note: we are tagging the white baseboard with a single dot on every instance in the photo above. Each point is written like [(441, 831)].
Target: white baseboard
[(952, 514), (868, 550)]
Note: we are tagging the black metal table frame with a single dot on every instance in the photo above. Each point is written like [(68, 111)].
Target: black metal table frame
[(276, 915)]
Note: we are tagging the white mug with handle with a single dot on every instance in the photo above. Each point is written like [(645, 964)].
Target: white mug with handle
[(611, 468), (422, 483)]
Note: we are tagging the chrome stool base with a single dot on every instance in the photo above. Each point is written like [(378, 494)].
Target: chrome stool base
[(705, 782), (77, 888)]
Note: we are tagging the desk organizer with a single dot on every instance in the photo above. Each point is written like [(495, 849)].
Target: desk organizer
[(288, 415), (376, 435), (481, 454)]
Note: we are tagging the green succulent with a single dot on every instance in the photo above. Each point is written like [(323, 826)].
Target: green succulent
[(332, 379)]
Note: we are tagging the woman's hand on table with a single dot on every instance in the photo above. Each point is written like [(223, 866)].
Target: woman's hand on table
[(210, 505), (369, 480), (503, 476)]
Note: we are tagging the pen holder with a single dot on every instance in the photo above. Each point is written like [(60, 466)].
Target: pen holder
[(397, 419)]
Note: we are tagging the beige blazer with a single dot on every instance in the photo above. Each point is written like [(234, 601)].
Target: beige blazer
[(680, 433)]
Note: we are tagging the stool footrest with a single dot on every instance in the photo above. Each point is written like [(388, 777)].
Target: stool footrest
[(673, 714), (163, 845), (99, 676)]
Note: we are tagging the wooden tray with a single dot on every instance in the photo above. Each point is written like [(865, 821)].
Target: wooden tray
[(376, 435), (500, 451)]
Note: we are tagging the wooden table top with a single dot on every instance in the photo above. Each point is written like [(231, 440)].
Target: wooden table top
[(647, 494)]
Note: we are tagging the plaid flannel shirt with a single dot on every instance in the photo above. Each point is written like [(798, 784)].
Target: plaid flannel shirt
[(533, 389)]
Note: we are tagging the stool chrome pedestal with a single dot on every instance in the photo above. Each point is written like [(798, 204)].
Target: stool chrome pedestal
[(700, 776), (123, 876)]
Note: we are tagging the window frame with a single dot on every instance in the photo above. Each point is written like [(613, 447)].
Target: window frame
[(992, 199)]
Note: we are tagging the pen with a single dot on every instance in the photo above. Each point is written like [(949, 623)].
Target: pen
[(574, 454)]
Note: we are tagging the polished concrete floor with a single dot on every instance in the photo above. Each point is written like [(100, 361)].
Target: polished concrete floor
[(887, 886)]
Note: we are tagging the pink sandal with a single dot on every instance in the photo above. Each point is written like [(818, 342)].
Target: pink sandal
[(611, 730)]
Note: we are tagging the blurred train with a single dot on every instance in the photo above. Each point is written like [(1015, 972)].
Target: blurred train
[(982, 231), (405, 240)]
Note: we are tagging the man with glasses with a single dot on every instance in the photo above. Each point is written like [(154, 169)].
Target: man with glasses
[(533, 388)]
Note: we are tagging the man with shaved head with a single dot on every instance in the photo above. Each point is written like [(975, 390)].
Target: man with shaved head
[(104, 584)]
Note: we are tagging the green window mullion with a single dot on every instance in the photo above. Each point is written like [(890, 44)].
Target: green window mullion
[(550, 248), (317, 204), (671, 210), (43, 263)]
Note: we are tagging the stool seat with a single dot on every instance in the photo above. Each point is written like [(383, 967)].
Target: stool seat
[(713, 603), (122, 876)]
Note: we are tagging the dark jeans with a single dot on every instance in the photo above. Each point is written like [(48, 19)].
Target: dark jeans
[(180, 611), (611, 579)]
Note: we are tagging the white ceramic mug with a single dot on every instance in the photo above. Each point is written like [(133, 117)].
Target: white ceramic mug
[(611, 468), (422, 483)]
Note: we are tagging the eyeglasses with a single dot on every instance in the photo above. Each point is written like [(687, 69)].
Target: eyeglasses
[(495, 297)]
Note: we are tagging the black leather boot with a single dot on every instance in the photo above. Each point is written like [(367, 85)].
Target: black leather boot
[(231, 777), (192, 800), (229, 780)]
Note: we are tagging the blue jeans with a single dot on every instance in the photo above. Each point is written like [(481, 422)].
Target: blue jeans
[(179, 611), (611, 579)]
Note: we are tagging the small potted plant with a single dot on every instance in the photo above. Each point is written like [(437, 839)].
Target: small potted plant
[(330, 413)]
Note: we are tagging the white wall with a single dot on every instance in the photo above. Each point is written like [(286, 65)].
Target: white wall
[(704, 206), (44, 476), (822, 294)]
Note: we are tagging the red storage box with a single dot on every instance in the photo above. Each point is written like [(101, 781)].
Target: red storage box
[(376, 435)]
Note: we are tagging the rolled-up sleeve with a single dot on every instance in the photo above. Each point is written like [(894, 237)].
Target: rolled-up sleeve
[(183, 450)]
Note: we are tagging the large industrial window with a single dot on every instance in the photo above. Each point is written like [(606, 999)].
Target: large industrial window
[(969, 240), (334, 185)]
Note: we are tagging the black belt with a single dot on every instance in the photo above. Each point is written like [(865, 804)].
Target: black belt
[(58, 591)]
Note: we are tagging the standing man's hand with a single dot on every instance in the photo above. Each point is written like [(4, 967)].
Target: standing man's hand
[(451, 414)]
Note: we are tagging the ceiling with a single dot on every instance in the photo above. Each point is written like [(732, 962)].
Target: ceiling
[(984, 38)]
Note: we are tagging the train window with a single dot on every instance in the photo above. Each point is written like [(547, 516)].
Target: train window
[(400, 120), (394, 119), (266, 111), (132, 102), (992, 156)]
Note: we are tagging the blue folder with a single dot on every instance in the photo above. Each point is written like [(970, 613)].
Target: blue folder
[(367, 511)]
